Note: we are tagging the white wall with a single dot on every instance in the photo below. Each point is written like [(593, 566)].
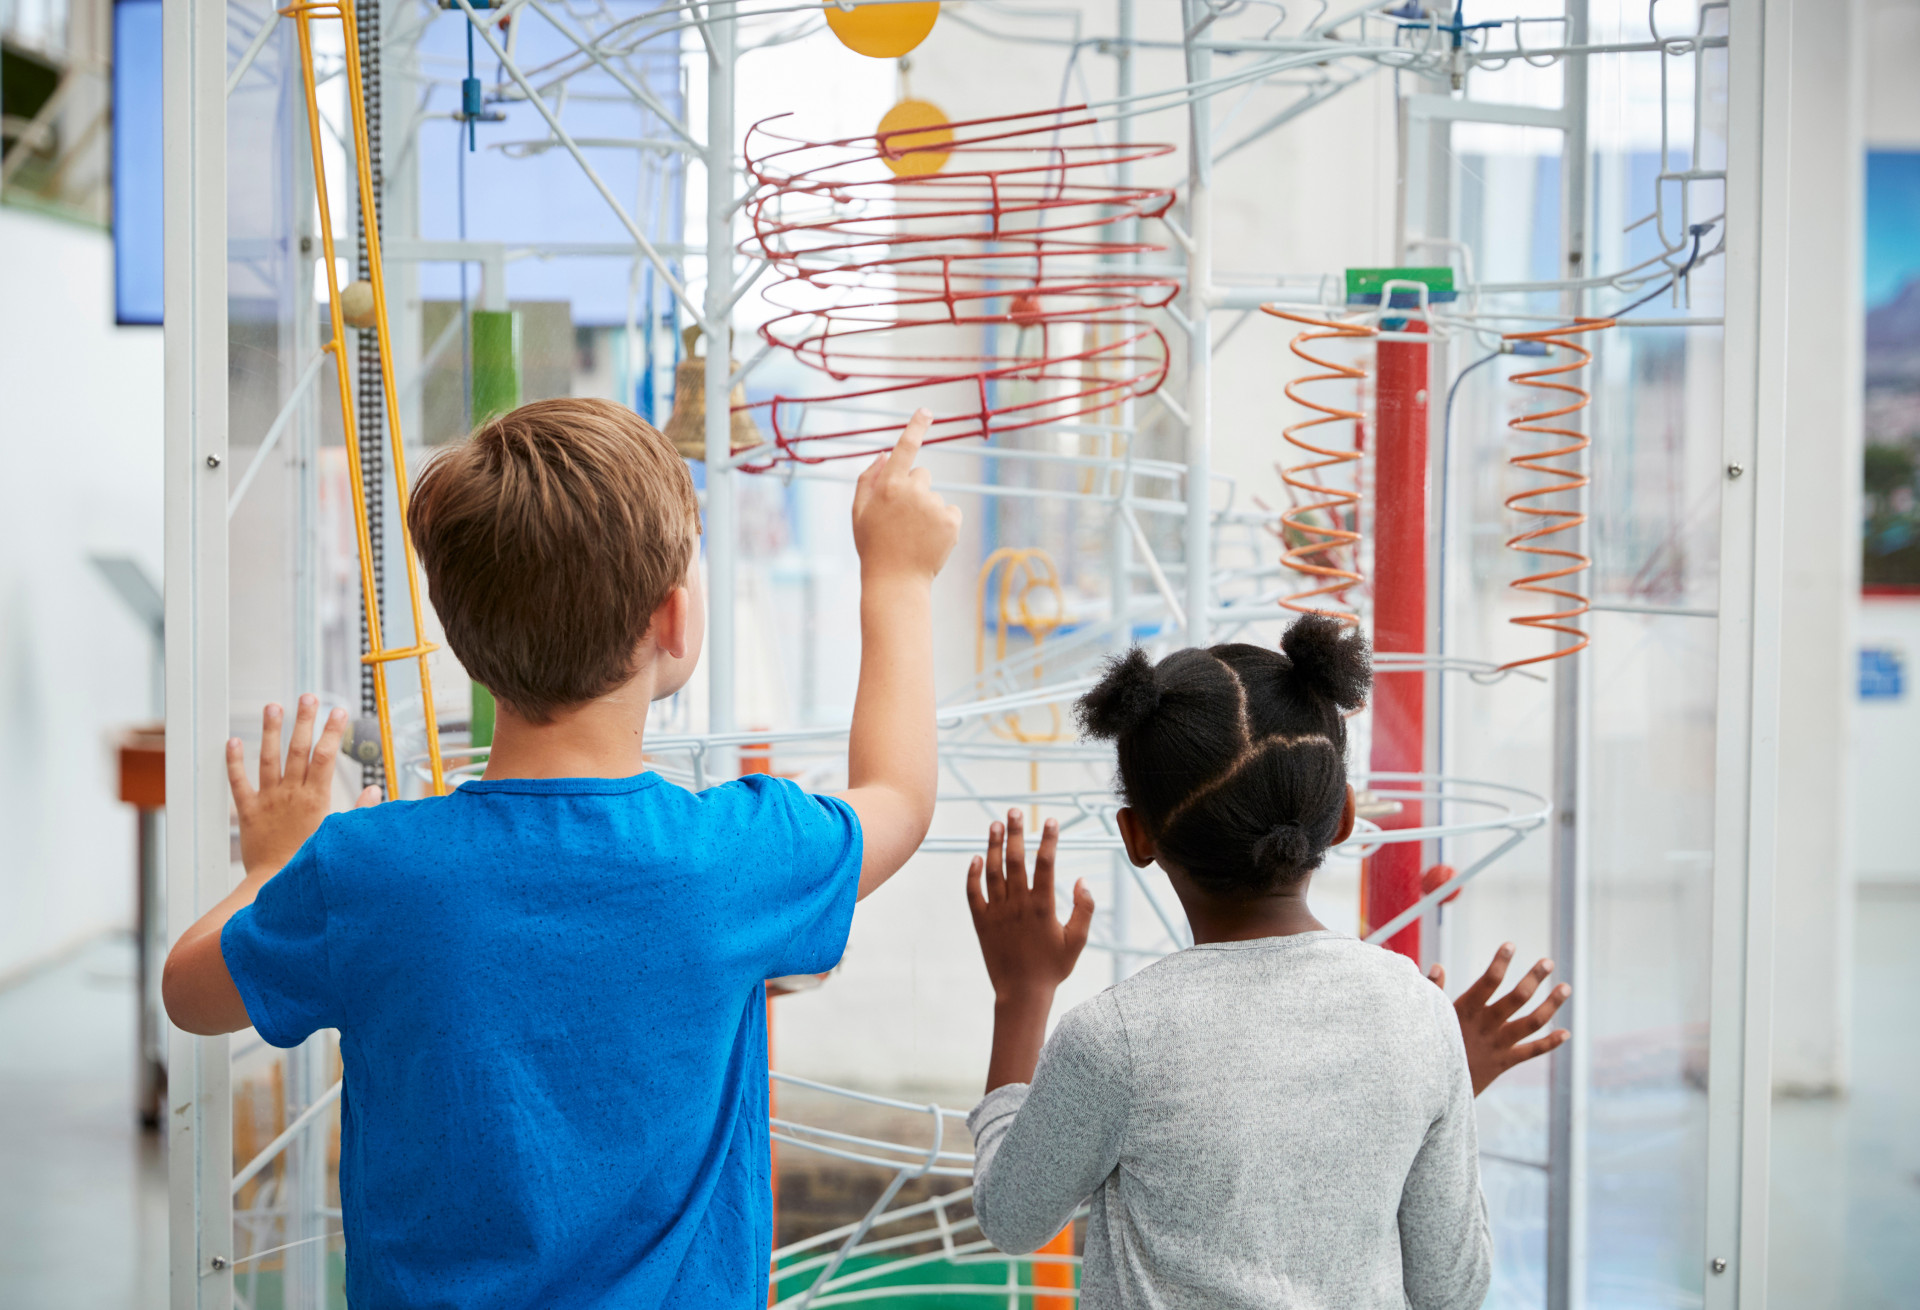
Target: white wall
[(80, 438)]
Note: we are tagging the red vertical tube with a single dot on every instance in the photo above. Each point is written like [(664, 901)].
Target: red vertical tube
[(1390, 879)]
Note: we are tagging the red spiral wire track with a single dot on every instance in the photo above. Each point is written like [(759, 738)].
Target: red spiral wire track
[(1321, 523), (1563, 479), (1019, 230)]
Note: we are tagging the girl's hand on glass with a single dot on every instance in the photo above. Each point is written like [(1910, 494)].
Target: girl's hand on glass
[(1496, 1041), (1028, 951)]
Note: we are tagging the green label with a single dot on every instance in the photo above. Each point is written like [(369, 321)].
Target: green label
[(1370, 281)]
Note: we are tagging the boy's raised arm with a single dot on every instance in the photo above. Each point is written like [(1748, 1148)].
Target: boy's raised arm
[(275, 819), (904, 532)]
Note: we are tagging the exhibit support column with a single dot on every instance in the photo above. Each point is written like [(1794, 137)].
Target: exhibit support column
[(199, 1105), (1199, 527), (1569, 1066), (720, 27), (1390, 881), (1764, 55), (1119, 537)]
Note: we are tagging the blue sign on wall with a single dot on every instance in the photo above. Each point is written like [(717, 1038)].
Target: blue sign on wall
[(137, 246), (1883, 673)]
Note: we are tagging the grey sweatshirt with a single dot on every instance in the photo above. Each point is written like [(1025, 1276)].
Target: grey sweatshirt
[(1277, 1123)]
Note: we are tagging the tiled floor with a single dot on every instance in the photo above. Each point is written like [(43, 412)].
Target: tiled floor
[(1845, 1231), (83, 1193)]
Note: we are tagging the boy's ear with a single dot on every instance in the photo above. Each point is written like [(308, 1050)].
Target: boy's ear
[(671, 626)]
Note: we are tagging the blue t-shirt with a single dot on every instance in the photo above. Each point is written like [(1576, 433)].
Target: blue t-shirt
[(551, 1018)]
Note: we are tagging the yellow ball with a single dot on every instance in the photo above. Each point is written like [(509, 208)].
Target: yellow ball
[(917, 160), (882, 31)]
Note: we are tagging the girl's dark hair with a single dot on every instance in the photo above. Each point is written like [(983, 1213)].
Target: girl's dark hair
[(1235, 756)]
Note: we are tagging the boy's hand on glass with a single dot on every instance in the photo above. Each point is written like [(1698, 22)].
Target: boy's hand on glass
[(1495, 1039), (292, 798), (1028, 951), (901, 526)]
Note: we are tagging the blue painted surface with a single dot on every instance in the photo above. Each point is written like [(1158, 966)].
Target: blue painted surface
[(1883, 673), (138, 246), (1893, 223)]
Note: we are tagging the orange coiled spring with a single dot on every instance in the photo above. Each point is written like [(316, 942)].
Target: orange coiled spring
[(1316, 531), (1565, 479)]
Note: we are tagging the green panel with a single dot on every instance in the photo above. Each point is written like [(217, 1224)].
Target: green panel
[(1369, 281), (917, 1284), (496, 363), (482, 716)]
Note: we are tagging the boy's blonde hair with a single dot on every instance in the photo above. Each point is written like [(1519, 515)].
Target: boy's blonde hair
[(549, 538)]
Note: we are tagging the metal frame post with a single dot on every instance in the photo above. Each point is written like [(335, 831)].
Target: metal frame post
[(309, 1066), (1570, 1067), (1199, 525), (1752, 568), (720, 527), (1119, 538), (199, 869)]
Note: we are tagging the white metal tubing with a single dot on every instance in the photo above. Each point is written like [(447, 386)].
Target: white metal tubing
[(1451, 888), (1199, 529), (309, 1067), (721, 532), (620, 211), (199, 1107), (1752, 519), (267, 443), (260, 39), (1159, 575), (1569, 1066), (272, 1149), (1119, 544), (638, 90)]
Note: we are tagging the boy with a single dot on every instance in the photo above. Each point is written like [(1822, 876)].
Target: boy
[(548, 983)]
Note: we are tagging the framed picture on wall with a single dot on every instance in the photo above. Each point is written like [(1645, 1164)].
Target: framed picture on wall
[(1891, 523)]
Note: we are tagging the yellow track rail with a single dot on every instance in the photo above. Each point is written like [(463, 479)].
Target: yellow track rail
[(378, 656)]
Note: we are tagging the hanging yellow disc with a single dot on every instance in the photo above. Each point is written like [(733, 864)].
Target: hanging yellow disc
[(882, 31), (919, 125)]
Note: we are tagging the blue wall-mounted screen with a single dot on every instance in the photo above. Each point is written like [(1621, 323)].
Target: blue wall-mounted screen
[(138, 246)]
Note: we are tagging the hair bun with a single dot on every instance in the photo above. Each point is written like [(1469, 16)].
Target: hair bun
[(1330, 658), (1285, 849), (1123, 699)]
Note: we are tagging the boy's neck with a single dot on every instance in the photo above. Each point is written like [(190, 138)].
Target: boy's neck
[(1220, 919), (598, 739)]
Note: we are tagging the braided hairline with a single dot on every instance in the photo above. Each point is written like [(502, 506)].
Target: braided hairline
[(1250, 750), (1241, 761)]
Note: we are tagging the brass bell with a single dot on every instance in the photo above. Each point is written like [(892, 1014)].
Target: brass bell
[(687, 424)]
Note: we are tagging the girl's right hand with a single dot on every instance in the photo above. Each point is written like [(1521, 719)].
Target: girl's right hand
[(1028, 951), (1495, 1040)]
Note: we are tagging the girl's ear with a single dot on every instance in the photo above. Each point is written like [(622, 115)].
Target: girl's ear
[(1346, 818), (1139, 841)]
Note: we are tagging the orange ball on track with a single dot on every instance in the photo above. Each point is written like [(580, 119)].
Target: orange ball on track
[(921, 126), (882, 31)]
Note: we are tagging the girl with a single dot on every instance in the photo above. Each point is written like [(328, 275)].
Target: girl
[(1280, 1115)]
